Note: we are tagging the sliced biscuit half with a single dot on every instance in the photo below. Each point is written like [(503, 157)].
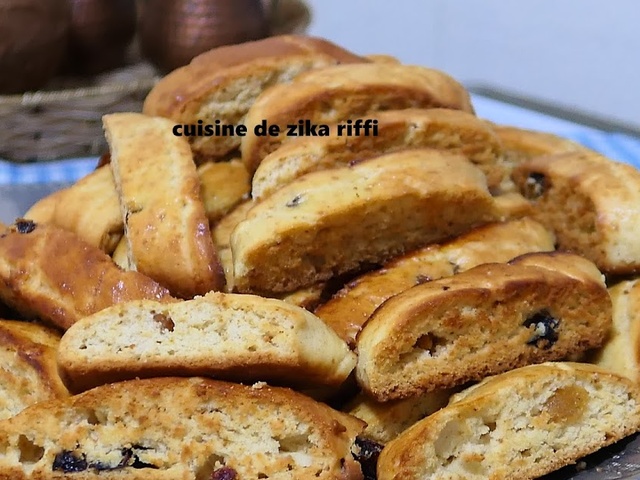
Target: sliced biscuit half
[(187, 428), (487, 320), (520, 424), (337, 94), (238, 337), (166, 227), (590, 202), (348, 310), (451, 130), (336, 221)]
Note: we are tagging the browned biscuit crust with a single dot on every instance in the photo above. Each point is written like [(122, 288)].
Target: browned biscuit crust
[(490, 319), (223, 83), (350, 308), (336, 221), (521, 424), (443, 129), (590, 202), (166, 227), (50, 274), (335, 94)]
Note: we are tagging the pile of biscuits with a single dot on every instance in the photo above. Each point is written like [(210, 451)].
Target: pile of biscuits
[(438, 297)]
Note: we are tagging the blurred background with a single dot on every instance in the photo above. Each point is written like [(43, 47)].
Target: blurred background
[(577, 54)]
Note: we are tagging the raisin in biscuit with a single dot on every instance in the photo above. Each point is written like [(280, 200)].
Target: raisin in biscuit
[(50, 274), (335, 221), (520, 424), (29, 373), (223, 185), (350, 308), (223, 83), (169, 428), (590, 202), (621, 353), (238, 337), (492, 318), (451, 130), (336, 94), (166, 227)]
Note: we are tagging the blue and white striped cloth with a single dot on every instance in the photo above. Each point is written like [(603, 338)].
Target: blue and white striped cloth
[(617, 146)]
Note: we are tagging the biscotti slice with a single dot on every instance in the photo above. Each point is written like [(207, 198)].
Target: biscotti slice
[(519, 425), (166, 227), (495, 317), (590, 202), (178, 428), (221, 85), (335, 221), (621, 353), (350, 308), (451, 130), (90, 209), (43, 211), (50, 274), (385, 421), (520, 144), (345, 92), (29, 373), (244, 338), (223, 185)]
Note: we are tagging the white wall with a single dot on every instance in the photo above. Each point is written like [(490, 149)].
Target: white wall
[(583, 54)]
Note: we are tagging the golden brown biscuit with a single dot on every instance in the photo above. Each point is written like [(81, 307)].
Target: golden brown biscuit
[(521, 424), (223, 185), (487, 320), (186, 428), (166, 227), (223, 83), (345, 92), (451, 130), (243, 338), (621, 353), (335, 221), (90, 209), (50, 274), (590, 202), (29, 373), (350, 308)]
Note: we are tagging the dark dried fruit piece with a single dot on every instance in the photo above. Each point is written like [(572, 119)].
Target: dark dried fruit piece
[(420, 279), (70, 462), (535, 185), (224, 473), (165, 321), (25, 226), (295, 201), (367, 456), (545, 328)]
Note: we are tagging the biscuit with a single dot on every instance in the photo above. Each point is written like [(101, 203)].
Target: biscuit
[(336, 221), (590, 202), (243, 338), (167, 231), (119, 255), (29, 373), (336, 94), (493, 318), (223, 83), (170, 428), (223, 185), (90, 209), (50, 274), (451, 130), (350, 308), (521, 424), (385, 421), (621, 353)]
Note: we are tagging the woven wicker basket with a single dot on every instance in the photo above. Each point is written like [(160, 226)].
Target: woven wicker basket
[(64, 121)]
